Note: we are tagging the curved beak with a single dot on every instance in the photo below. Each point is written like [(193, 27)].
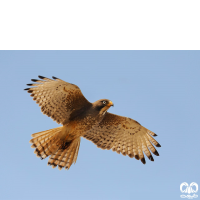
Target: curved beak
[(110, 103)]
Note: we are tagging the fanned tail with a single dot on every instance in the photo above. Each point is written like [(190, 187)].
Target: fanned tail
[(65, 155), (49, 142), (46, 142)]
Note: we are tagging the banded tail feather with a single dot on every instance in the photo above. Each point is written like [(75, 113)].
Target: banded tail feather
[(49, 143)]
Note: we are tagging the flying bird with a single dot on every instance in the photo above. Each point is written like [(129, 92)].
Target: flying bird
[(65, 104)]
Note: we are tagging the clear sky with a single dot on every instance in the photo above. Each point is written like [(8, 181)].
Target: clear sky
[(159, 89)]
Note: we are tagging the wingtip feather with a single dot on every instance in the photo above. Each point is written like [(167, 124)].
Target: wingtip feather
[(143, 160), (158, 145), (34, 80), (156, 153), (42, 77), (151, 158), (136, 157)]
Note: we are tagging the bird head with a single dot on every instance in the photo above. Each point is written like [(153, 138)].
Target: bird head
[(103, 105)]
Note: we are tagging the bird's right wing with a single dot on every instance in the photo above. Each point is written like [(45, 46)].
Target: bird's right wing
[(57, 98)]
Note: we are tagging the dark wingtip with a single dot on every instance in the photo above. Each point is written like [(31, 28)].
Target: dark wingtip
[(158, 145), (131, 155), (151, 158), (27, 89), (143, 160), (137, 157), (30, 84), (42, 77), (155, 135), (54, 77), (156, 153), (34, 80)]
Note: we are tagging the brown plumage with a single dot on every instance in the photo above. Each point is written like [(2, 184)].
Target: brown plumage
[(65, 104)]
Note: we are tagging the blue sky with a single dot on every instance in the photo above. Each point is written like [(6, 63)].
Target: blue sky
[(159, 89)]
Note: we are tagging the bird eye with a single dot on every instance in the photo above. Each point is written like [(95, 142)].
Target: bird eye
[(104, 102)]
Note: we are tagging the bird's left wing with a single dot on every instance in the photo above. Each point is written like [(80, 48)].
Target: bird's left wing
[(124, 135)]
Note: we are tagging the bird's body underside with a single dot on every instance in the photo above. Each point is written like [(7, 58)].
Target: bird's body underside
[(65, 104)]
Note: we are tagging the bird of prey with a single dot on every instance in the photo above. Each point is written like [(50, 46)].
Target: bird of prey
[(65, 104)]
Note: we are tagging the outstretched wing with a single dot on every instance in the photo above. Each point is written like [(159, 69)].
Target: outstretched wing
[(124, 135), (57, 98)]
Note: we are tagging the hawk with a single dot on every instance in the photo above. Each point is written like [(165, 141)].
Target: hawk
[(65, 104)]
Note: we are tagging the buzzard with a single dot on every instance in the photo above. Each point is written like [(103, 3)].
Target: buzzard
[(65, 104)]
